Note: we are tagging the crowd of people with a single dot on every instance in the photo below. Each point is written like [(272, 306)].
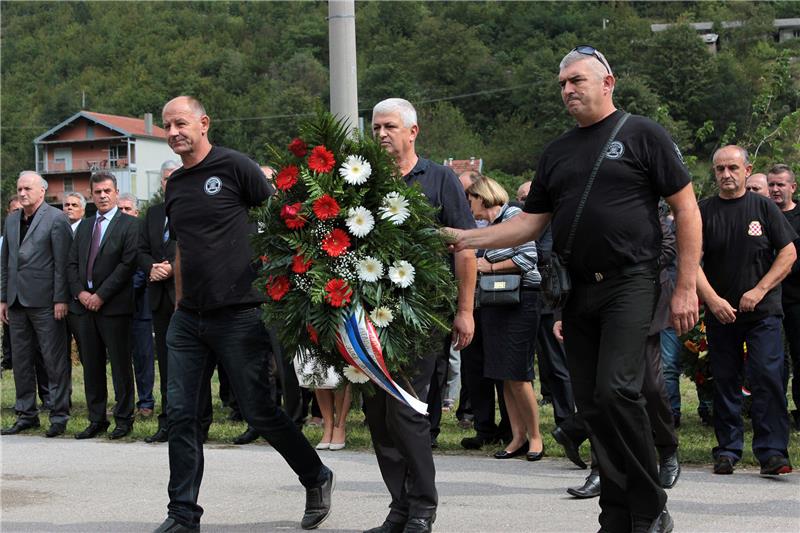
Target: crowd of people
[(174, 288)]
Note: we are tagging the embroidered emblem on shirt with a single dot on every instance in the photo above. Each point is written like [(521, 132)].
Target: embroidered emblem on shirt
[(754, 229), (615, 151), (213, 185)]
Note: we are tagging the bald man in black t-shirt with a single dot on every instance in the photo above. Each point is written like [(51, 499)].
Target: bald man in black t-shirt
[(748, 250)]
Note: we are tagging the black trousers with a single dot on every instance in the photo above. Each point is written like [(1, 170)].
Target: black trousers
[(654, 390), (437, 387), (791, 328), (41, 372), (100, 334), (482, 390), (553, 372), (605, 329), (237, 339), (402, 441)]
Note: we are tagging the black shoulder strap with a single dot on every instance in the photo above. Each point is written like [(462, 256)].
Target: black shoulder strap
[(582, 203)]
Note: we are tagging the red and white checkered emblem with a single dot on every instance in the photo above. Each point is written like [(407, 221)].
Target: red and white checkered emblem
[(754, 229)]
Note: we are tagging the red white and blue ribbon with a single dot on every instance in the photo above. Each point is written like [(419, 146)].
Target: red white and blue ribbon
[(358, 343)]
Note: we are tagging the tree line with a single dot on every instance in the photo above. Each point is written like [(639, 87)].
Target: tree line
[(483, 75)]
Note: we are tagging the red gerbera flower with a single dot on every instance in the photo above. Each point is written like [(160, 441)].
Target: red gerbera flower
[(321, 160), (290, 213), (300, 264), (277, 287), (338, 292), (325, 207), (264, 259), (287, 177), (312, 334), (336, 242), (298, 147)]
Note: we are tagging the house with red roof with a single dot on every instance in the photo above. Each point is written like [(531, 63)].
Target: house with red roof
[(132, 149), (460, 166)]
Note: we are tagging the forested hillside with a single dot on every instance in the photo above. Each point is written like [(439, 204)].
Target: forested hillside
[(483, 75)]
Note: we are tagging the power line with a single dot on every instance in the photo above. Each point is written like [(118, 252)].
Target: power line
[(300, 115)]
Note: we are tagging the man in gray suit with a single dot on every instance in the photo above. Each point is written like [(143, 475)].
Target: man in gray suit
[(33, 302)]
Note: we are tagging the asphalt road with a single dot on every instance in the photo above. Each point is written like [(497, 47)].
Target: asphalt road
[(64, 485)]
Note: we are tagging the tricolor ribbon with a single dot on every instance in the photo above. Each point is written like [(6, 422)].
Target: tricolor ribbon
[(358, 343)]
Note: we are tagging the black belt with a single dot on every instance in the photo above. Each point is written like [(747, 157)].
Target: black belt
[(218, 310), (598, 277)]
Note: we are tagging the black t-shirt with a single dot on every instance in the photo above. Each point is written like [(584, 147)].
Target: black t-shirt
[(443, 190), (619, 225), (740, 240), (791, 284), (207, 206)]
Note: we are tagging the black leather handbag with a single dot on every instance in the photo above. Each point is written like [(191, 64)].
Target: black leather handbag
[(499, 289), (556, 283)]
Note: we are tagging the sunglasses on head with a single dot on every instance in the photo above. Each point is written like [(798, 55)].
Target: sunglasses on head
[(587, 50)]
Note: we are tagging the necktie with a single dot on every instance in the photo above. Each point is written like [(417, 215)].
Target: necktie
[(96, 232), (166, 230)]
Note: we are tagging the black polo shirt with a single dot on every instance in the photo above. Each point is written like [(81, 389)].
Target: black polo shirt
[(740, 240), (619, 225), (208, 206), (443, 190), (791, 284)]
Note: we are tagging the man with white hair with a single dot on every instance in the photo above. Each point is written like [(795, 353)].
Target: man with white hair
[(612, 258), (74, 207), (34, 293), (401, 437)]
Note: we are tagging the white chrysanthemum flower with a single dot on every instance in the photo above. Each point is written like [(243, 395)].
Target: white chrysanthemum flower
[(402, 274), (355, 375), (381, 316), (370, 269), (359, 221), (355, 170), (395, 208)]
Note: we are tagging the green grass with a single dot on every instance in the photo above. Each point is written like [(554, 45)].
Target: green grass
[(696, 441)]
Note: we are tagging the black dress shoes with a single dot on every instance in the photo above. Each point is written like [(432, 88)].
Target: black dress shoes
[(171, 526), (318, 503), (55, 429), (419, 525), (94, 429), (20, 426), (387, 527), (590, 488), (570, 448), (159, 436), (120, 431), (477, 442), (661, 524), (522, 450), (669, 470), (250, 435)]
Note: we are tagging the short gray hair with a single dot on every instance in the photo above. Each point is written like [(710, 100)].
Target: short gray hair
[(780, 168), (599, 67), (79, 196), (397, 105), (129, 197), (742, 152), (43, 181), (169, 164)]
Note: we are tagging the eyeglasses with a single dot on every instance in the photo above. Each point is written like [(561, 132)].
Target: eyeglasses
[(587, 50)]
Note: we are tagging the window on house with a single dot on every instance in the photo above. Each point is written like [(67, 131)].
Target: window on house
[(90, 132), (68, 186)]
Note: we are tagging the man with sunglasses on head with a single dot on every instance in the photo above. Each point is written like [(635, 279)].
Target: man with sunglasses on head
[(613, 263)]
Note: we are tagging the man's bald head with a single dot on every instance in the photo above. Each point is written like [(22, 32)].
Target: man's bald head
[(468, 178), (190, 101), (757, 183)]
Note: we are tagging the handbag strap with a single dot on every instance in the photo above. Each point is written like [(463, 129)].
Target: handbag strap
[(582, 203)]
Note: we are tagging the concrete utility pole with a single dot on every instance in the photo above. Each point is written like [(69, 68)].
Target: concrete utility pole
[(342, 44)]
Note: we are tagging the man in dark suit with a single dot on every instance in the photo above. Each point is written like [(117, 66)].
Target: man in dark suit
[(33, 302), (102, 260), (156, 257)]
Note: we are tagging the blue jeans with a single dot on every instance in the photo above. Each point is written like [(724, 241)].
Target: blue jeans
[(768, 411), (671, 366), (143, 361), (237, 339)]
